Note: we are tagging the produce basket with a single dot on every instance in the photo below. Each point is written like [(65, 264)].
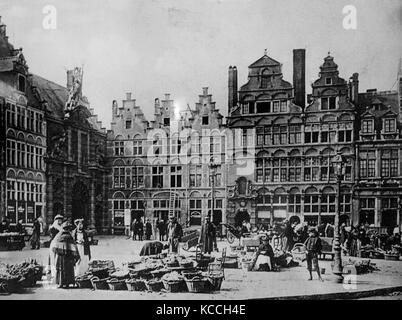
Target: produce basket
[(186, 264), (247, 265), (10, 284), (120, 275), (215, 282), (191, 274), (100, 284), (197, 285), (100, 273), (84, 282), (231, 263), (154, 285), (173, 285), (117, 284), (136, 285), (299, 252), (391, 256)]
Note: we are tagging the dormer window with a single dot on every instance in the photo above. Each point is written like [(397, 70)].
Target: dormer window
[(389, 125), (265, 79), (328, 81), (367, 126), (128, 124), (205, 120), (21, 83), (328, 103), (245, 109), (166, 122)]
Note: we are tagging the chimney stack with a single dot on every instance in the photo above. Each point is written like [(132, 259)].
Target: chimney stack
[(232, 86), (299, 76), (354, 88)]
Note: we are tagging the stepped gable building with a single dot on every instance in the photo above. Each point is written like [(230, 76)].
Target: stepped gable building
[(22, 138), (379, 153), (76, 148), (162, 168), (288, 145)]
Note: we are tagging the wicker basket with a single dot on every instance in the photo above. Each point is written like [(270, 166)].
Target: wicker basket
[(117, 285), (231, 263), (100, 284), (84, 282), (215, 282), (174, 286), (197, 285), (191, 274), (154, 285), (100, 273), (159, 273), (10, 285), (299, 252), (136, 285), (391, 256)]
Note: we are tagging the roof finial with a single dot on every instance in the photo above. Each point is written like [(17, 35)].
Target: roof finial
[(329, 52), (265, 52)]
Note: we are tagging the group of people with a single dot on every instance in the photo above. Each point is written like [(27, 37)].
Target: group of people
[(70, 251), (37, 229), (137, 229)]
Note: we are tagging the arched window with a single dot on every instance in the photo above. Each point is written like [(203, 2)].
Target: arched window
[(294, 201), (328, 200), (311, 201), (263, 170)]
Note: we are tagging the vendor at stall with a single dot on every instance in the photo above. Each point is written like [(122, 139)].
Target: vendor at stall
[(81, 238), (19, 228), (264, 257)]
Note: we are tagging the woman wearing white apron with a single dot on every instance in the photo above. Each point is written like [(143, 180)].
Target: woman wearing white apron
[(81, 239), (263, 258), (54, 229)]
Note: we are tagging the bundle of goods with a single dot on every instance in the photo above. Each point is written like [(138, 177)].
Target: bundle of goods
[(377, 253), (392, 254), (190, 274), (172, 262), (101, 264), (22, 275), (136, 285), (358, 267), (186, 263), (159, 273), (247, 264), (174, 282), (117, 284), (120, 274), (285, 259), (299, 252)]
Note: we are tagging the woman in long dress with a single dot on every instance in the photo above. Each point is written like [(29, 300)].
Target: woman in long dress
[(80, 237), (208, 236), (66, 256), (54, 229)]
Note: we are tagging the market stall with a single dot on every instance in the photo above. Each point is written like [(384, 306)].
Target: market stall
[(12, 241)]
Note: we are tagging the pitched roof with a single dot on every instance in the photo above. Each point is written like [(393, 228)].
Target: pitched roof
[(54, 94), (388, 100), (264, 61)]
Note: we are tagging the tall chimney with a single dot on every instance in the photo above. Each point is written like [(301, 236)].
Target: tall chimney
[(232, 86), (354, 88), (299, 76)]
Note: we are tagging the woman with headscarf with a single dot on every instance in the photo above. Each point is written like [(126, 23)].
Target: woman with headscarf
[(66, 255), (80, 237)]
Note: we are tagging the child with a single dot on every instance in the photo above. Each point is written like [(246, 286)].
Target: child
[(313, 247)]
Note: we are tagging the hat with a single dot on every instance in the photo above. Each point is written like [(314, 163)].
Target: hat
[(77, 221), (59, 216)]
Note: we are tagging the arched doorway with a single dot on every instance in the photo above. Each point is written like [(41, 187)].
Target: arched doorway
[(241, 215), (80, 202)]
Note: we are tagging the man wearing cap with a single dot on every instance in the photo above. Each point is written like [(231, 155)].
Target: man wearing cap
[(313, 247)]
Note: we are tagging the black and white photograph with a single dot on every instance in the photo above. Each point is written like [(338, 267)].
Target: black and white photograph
[(210, 150)]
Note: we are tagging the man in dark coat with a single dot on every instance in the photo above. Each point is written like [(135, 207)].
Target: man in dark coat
[(133, 228), (175, 232), (148, 230), (162, 230), (208, 236)]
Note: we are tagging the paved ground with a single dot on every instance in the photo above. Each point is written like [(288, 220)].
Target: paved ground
[(237, 285)]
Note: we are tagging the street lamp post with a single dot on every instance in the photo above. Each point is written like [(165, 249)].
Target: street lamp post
[(338, 162)]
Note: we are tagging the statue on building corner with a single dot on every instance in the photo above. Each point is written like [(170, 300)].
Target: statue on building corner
[(75, 89)]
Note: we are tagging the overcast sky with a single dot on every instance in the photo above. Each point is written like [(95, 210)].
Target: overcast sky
[(153, 47)]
